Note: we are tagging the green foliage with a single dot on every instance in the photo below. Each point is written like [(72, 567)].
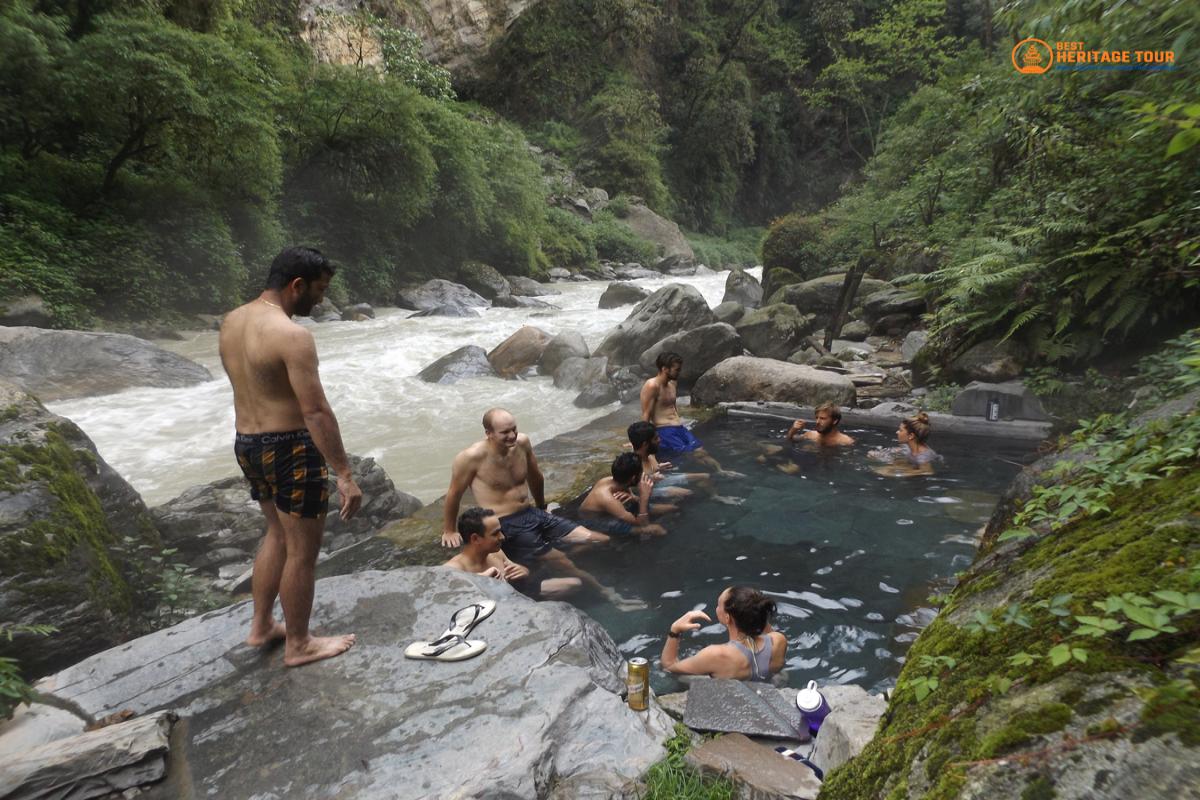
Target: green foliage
[(14, 690), (400, 49), (798, 243), (568, 240), (622, 139), (673, 779), (1057, 218), (738, 248), (939, 397), (614, 240), (180, 150), (169, 589)]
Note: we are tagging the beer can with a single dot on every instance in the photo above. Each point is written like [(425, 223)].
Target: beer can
[(637, 683)]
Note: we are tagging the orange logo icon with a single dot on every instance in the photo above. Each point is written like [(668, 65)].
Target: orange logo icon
[(1032, 56)]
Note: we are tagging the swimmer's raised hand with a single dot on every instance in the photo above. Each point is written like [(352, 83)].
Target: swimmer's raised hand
[(514, 571), (689, 622), (451, 539), (352, 496), (645, 485), (797, 426)]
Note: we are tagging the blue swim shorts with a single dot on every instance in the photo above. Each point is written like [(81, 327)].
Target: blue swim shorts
[(532, 532), (676, 439), (606, 524)]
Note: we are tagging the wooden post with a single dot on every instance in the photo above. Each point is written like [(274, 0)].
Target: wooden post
[(850, 285)]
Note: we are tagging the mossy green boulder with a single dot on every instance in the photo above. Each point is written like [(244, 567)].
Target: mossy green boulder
[(64, 518)]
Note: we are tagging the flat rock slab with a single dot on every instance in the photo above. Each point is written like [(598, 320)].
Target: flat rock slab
[(538, 714), (91, 764), (760, 772), (755, 709)]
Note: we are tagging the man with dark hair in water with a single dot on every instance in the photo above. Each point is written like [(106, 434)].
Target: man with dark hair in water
[(829, 416), (668, 484), (481, 553), (605, 508), (658, 397), (285, 433)]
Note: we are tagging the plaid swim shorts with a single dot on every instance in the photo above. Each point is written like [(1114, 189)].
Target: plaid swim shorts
[(287, 468)]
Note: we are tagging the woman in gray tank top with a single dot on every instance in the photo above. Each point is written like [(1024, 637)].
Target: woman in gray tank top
[(754, 652)]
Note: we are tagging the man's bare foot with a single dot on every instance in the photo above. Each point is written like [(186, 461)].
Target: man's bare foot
[(317, 648), (272, 633)]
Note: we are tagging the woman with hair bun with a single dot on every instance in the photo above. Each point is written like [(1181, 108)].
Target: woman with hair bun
[(913, 456), (754, 651)]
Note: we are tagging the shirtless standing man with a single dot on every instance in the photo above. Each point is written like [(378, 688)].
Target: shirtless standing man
[(829, 417), (285, 433), (501, 471), (658, 398)]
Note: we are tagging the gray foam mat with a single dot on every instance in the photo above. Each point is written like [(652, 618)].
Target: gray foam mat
[(755, 709)]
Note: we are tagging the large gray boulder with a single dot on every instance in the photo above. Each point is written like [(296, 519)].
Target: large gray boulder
[(57, 365), (849, 727), (701, 349), (774, 331), (1014, 399), (775, 278), (513, 301), (483, 279), (564, 345), (217, 527), (438, 293), (519, 352), (446, 311), (522, 286), (747, 378), (913, 342), (64, 516), (359, 312), (632, 271), (659, 230), (537, 715), (991, 361), (742, 287), (673, 308), (893, 301), (468, 361), (27, 310), (577, 373), (620, 293), (819, 296), (729, 311)]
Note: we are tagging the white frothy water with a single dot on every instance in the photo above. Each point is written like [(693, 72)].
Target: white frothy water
[(165, 440)]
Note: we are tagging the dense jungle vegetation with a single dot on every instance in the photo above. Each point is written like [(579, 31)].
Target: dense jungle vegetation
[(155, 153)]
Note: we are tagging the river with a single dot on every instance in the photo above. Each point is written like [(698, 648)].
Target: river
[(165, 440)]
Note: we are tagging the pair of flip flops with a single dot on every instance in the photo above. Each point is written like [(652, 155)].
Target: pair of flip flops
[(453, 645)]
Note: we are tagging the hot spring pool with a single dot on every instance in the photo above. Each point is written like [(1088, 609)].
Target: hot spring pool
[(849, 556)]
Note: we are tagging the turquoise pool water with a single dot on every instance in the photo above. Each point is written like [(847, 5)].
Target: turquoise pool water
[(849, 556)]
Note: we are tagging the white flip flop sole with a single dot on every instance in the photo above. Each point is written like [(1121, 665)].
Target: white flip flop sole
[(461, 651)]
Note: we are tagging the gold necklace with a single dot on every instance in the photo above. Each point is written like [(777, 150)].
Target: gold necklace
[(272, 305)]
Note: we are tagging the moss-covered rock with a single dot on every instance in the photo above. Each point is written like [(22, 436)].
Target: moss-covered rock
[(64, 518), (1118, 720)]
